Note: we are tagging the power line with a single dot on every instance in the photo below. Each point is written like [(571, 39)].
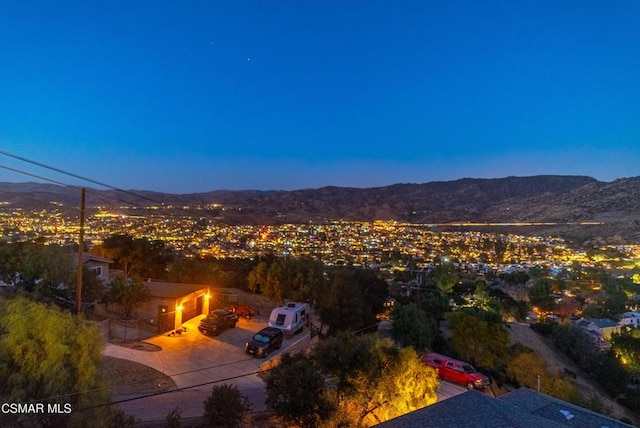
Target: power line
[(184, 388), (112, 403), (37, 176), (95, 194), (71, 174), (196, 214), (149, 379), (308, 346)]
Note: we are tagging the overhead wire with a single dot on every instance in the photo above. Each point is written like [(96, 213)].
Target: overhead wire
[(90, 180), (94, 192), (149, 379), (91, 191), (36, 176), (304, 348), (71, 174), (103, 197)]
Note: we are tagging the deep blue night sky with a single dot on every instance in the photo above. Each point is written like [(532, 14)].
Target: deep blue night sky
[(194, 96)]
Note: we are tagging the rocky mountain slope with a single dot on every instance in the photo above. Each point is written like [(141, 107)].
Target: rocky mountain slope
[(565, 200)]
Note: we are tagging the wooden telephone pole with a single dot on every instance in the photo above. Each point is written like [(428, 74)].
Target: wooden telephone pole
[(80, 255)]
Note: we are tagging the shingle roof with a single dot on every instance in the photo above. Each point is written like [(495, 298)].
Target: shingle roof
[(604, 322), (470, 409), (556, 410), (521, 408)]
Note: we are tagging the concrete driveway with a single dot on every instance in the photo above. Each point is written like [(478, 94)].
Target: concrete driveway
[(196, 363)]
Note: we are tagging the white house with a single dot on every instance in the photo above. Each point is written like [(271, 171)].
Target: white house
[(630, 319), (98, 265)]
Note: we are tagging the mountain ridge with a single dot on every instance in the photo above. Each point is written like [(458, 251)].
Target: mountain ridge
[(565, 200)]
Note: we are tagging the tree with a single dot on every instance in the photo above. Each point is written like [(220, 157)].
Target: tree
[(530, 370), (116, 418), (11, 256), (615, 302), (518, 277), (525, 369), (174, 418), (412, 327), (567, 307), (139, 257), (434, 303), (273, 286), (92, 286), (296, 391), (287, 278), (627, 348), (575, 343), (192, 271), (47, 353), (593, 311), (118, 248), (539, 271), (444, 277), (128, 293), (540, 294), (46, 268), (374, 380), (257, 277), (342, 307), (479, 336), (225, 407), (611, 374)]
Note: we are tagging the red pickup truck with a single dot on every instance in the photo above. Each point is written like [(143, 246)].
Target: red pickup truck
[(456, 371)]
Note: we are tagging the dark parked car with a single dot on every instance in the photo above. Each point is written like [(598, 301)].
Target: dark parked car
[(263, 342), (217, 321)]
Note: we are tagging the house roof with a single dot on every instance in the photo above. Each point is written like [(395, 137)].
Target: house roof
[(521, 408), (553, 409), (172, 289), (598, 322), (583, 323), (604, 322), (92, 257), (631, 315), (470, 409)]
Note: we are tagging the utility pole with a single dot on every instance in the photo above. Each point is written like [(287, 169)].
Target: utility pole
[(80, 255)]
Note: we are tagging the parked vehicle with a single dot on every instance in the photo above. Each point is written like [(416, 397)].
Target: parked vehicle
[(290, 318), (456, 371), (244, 311), (263, 342), (217, 321)]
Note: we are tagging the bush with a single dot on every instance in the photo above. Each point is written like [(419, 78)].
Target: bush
[(631, 400), (543, 328), (225, 407), (174, 418)]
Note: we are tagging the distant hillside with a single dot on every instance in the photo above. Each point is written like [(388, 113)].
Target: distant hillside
[(561, 199)]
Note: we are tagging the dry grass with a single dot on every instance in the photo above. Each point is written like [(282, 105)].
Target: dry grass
[(130, 378)]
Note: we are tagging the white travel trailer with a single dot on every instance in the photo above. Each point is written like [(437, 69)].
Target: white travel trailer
[(290, 318)]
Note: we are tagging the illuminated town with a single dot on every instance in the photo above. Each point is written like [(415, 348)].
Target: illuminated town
[(488, 263), (379, 244)]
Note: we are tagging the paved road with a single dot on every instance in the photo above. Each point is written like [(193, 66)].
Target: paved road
[(195, 363), (448, 390)]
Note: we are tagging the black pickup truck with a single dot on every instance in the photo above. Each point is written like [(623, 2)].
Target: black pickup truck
[(217, 321)]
